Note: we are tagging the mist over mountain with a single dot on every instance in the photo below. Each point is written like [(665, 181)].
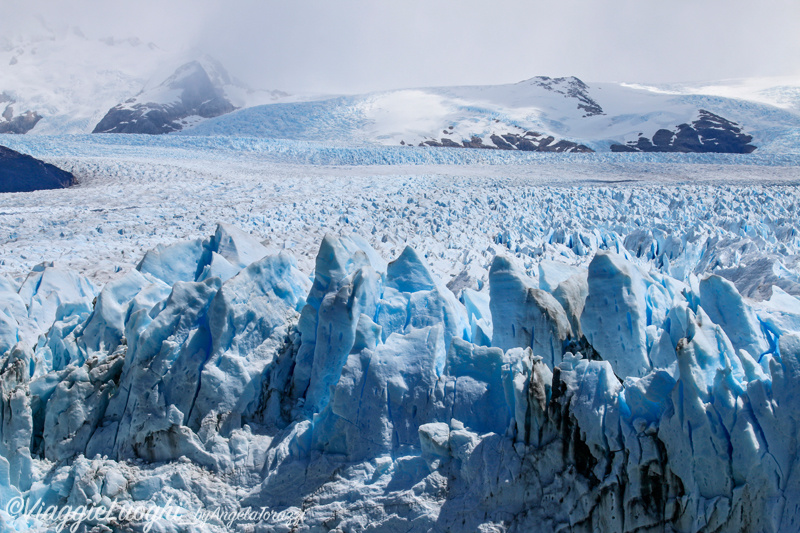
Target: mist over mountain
[(68, 83)]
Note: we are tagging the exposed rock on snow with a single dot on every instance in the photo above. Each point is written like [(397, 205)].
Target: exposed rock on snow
[(530, 141), (708, 133), (570, 87)]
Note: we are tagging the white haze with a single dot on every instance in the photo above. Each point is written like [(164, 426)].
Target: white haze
[(359, 45)]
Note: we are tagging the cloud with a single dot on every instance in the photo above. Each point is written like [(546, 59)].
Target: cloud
[(361, 45)]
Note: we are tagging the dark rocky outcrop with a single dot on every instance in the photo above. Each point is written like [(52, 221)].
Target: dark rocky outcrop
[(536, 142), (23, 173), (201, 94), (528, 142), (709, 133), (20, 124), (16, 124)]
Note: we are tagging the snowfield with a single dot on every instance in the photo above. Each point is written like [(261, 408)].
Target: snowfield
[(393, 339)]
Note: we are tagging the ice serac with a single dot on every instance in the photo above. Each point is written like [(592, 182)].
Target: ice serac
[(194, 363), (104, 331), (55, 302), (524, 316), (479, 314), (12, 310), (571, 294), (408, 274), (247, 320), (222, 255), (77, 405), (237, 247), (615, 314), (508, 292), (473, 388), (16, 419), (429, 302), (167, 349), (531, 382), (394, 385), (339, 318), (327, 336), (353, 305), (780, 314), (51, 293), (726, 307), (181, 261), (551, 274)]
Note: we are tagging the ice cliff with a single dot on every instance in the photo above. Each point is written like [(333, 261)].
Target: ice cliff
[(627, 395)]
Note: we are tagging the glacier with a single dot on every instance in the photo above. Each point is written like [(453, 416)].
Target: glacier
[(387, 339), (623, 392), (134, 194)]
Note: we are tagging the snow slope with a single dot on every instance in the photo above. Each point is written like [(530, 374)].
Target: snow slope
[(782, 91), (529, 342)]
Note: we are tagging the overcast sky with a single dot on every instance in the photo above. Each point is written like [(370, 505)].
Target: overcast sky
[(361, 45)]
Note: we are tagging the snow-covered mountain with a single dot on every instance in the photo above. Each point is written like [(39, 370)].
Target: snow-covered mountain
[(196, 90), (565, 114), (61, 82)]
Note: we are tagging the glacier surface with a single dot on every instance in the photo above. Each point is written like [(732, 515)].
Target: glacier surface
[(484, 348)]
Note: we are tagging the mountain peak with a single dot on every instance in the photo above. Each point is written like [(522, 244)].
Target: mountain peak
[(196, 90), (570, 87)]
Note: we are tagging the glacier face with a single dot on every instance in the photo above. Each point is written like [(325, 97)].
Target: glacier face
[(619, 385)]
